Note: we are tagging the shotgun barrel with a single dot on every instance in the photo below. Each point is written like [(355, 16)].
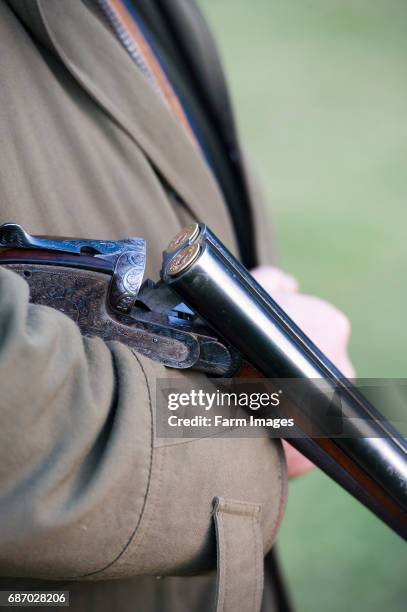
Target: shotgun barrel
[(371, 460)]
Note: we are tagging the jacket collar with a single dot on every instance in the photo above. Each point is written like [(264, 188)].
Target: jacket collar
[(76, 33)]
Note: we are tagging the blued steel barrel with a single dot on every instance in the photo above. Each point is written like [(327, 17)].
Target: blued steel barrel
[(217, 287)]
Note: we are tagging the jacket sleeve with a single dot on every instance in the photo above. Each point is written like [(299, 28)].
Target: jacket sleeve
[(75, 440), (86, 488)]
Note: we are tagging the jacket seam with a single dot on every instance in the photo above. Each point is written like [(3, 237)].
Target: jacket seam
[(283, 496), (132, 535)]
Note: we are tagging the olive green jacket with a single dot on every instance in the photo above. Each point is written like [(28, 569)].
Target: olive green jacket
[(88, 493)]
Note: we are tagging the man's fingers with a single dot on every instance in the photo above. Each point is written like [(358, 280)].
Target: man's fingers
[(297, 464), (274, 280)]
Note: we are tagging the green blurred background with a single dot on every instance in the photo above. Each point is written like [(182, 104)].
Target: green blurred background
[(320, 90)]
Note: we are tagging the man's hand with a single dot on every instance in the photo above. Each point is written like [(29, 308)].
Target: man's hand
[(327, 326)]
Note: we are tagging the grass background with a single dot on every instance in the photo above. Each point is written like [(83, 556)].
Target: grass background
[(320, 90)]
